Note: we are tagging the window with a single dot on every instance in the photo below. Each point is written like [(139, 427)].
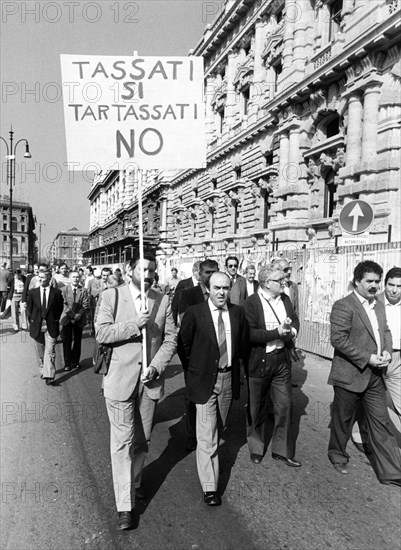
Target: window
[(4, 217), (266, 211), (278, 69), (23, 228), (333, 127), (15, 246), (4, 238), (235, 217), (335, 18), (245, 101), (14, 224), (221, 121), (4, 227), (237, 173), (23, 240)]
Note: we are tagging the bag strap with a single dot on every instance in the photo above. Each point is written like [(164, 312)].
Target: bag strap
[(115, 305), (273, 310)]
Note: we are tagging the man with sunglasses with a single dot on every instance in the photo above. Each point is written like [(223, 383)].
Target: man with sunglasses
[(273, 325), (238, 283)]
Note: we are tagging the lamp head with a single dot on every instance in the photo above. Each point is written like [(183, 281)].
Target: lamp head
[(27, 154)]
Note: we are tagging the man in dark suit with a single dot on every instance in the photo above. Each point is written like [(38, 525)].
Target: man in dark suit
[(362, 350), (183, 285), (191, 297), (272, 325), (73, 320), (214, 337), (238, 282), (251, 284), (44, 307)]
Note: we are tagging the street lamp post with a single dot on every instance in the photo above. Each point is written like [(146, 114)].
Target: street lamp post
[(11, 153)]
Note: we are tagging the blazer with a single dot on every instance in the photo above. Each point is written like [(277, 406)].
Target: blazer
[(201, 350), (182, 285), (294, 296), (126, 337), (259, 336), (238, 291), (73, 310), (190, 297), (255, 288), (53, 312), (354, 342), (28, 280)]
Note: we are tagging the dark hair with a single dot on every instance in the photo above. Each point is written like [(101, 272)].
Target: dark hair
[(44, 266), (366, 267), (107, 269), (18, 272), (147, 255), (393, 272), (208, 263), (232, 258), (63, 263), (89, 268)]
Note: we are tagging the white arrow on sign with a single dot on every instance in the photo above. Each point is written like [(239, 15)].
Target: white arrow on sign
[(356, 213)]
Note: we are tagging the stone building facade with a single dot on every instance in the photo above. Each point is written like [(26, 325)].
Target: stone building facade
[(302, 116), (303, 112), (69, 246), (23, 233)]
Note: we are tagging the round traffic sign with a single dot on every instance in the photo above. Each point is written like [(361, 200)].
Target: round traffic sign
[(356, 217)]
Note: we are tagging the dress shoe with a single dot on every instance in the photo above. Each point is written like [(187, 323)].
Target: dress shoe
[(67, 368), (396, 482), (49, 381), (125, 521), (211, 498), (341, 468), (289, 461), (190, 444), (256, 459), (75, 366), (140, 493)]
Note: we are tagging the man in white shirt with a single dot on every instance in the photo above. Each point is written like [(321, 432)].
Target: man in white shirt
[(273, 325), (214, 336), (392, 302), (251, 284)]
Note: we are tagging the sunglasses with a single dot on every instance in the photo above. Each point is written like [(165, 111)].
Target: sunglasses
[(233, 265), (278, 280)]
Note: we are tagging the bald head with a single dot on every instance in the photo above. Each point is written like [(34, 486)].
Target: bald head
[(219, 290)]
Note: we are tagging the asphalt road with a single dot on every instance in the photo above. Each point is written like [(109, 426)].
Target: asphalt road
[(57, 491)]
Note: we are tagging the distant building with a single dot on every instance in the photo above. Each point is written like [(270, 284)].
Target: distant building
[(69, 246), (24, 249)]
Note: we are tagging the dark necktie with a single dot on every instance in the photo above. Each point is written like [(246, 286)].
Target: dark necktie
[(75, 295), (44, 304), (223, 361)]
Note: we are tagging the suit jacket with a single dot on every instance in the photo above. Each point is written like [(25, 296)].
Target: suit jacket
[(259, 336), (28, 280), (190, 297), (12, 286), (201, 350), (53, 312), (182, 285), (238, 291), (354, 342), (255, 288), (126, 358), (294, 296), (72, 310)]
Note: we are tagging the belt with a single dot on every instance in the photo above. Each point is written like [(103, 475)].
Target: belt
[(224, 369), (275, 351)]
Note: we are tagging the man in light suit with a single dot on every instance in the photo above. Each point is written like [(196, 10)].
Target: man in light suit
[(273, 325), (73, 320), (238, 282), (362, 350), (44, 307), (132, 389), (214, 336)]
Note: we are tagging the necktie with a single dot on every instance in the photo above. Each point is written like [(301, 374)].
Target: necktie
[(44, 304), (75, 295), (223, 361)]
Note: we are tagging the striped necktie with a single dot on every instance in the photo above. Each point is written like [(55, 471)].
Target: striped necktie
[(223, 361)]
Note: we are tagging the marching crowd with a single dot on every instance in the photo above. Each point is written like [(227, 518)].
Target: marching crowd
[(222, 325)]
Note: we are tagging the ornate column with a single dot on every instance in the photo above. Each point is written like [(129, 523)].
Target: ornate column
[(231, 104), (292, 171), (354, 133), (211, 86), (259, 71), (129, 187), (370, 119), (290, 15), (284, 156)]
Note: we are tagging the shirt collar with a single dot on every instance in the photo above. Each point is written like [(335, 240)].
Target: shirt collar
[(267, 297), (136, 291), (215, 308), (204, 289), (364, 301), (387, 303)]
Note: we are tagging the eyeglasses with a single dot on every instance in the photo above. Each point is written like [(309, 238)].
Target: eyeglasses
[(233, 265), (287, 269), (278, 280)]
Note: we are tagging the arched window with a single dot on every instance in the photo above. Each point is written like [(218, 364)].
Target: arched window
[(14, 224), (15, 245)]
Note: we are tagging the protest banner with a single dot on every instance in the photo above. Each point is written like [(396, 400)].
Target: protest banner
[(141, 109)]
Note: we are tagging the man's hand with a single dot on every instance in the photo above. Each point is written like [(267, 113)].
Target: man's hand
[(386, 356), (284, 329), (378, 361), (150, 373), (142, 318)]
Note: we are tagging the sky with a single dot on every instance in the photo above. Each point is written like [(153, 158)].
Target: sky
[(33, 35)]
